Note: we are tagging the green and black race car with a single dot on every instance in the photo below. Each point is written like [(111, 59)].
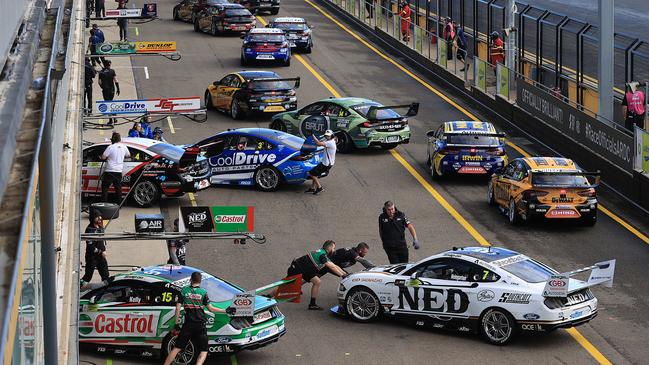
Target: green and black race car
[(134, 315), (357, 122)]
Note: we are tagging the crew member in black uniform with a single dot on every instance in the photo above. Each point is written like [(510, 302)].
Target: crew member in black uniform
[(349, 256), (177, 248), (392, 229), (95, 250)]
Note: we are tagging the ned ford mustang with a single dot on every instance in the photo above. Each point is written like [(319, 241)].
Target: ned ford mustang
[(492, 291), (133, 314)]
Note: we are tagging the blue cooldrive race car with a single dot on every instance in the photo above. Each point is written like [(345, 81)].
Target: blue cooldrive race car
[(465, 147), (262, 157)]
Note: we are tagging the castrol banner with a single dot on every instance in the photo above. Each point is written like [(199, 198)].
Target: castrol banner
[(230, 219)]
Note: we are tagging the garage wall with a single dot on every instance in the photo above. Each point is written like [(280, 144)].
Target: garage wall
[(10, 18)]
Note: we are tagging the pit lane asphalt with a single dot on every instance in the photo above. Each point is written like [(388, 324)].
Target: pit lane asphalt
[(347, 212)]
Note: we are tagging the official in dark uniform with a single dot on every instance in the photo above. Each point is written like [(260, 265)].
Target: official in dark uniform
[(194, 299), (95, 251), (392, 229)]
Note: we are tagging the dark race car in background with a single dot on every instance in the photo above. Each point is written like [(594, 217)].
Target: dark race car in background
[(165, 169), (298, 32), (246, 92), (187, 9), (222, 18), (257, 6)]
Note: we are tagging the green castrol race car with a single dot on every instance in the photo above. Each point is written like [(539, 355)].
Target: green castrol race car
[(357, 122), (134, 314)]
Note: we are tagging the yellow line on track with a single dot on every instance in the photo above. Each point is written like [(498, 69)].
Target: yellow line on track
[(590, 348), (192, 199), (171, 125)]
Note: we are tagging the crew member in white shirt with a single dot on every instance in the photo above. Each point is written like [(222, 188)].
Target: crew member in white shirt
[(329, 143), (114, 156)]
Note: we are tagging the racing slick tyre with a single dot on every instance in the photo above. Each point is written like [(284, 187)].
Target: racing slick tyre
[(235, 109), (213, 29), (278, 126), (106, 210), (208, 100), (145, 193), (176, 17), (196, 27), (497, 326), (244, 61), (308, 49), (185, 357), (267, 178), (344, 143), (429, 163), (389, 146), (590, 220), (287, 63), (490, 193), (512, 213), (362, 305), (433, 172), (274, 11)]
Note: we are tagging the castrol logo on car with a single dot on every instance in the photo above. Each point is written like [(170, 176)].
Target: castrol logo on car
[(118, 324)]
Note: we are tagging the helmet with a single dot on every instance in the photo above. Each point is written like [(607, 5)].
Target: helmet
[(494, 34), (157, 130)]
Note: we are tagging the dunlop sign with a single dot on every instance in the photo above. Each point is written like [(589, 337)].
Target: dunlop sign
[(155, 47), (610, 143)]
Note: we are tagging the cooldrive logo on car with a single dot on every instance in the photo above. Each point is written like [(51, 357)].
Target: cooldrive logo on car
[(115, 324), (241, 161)]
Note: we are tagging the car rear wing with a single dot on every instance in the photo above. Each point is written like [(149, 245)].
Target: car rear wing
[(295, 79), (592, 177), (561, 285), (288, 289), (413, 109)]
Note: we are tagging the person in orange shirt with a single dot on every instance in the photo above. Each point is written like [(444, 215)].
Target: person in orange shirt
[(405, 21), (497, 49)]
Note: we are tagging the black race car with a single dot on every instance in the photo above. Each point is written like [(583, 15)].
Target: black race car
[(298, 32), (186, 10), (244, 92), (271, 6), (217, 19)]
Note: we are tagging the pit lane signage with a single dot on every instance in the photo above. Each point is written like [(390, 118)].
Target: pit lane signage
[(122, 48), (230, 219), (608, 142), (123, 13), (166, 105)]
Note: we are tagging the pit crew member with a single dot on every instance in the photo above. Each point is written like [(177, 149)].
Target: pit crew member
[(392, 228), (348, 256)]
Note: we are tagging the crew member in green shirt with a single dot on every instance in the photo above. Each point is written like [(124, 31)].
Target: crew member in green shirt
[(194, 299), (309, 265)]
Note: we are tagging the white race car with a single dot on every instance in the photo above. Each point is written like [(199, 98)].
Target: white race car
[(492, 291)]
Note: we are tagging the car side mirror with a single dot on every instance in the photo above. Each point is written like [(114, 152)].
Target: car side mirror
[(243, 36), (430, 134), (216, 83), (93, 299), (414, 275)]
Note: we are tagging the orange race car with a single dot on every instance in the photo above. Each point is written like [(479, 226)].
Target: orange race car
[(550, 187)]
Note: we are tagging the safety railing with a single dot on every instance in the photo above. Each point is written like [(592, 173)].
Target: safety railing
[(642, 151)]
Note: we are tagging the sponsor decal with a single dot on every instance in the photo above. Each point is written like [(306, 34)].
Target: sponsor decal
[(556, 286), (562, 213), (149, 223), (101, 349), (155, 47), (532, 327), (118, 324), (220, 348), (464, 329), (165, 105), (120, 351), (146, 353), (223, 340), (241, 161), (244, 303), (419, 323), (515, 298), (368, 280), (531, 316), (471, 158), (486, 296), (562, 199), (472, 170), (576, 298), (315, 124), (433, 300), (438, 325), (509, 260)]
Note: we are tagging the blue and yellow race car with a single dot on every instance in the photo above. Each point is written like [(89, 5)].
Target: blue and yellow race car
[(465, 147), (262, 157)]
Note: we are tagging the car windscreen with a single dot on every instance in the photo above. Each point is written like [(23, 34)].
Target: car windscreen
[(266, 38), (472, 140), (575, 180), (218, 290), (168, 151), (290, 26), (530, 271), (293, 142), (237, 12), (362, 109), (268, 85)]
